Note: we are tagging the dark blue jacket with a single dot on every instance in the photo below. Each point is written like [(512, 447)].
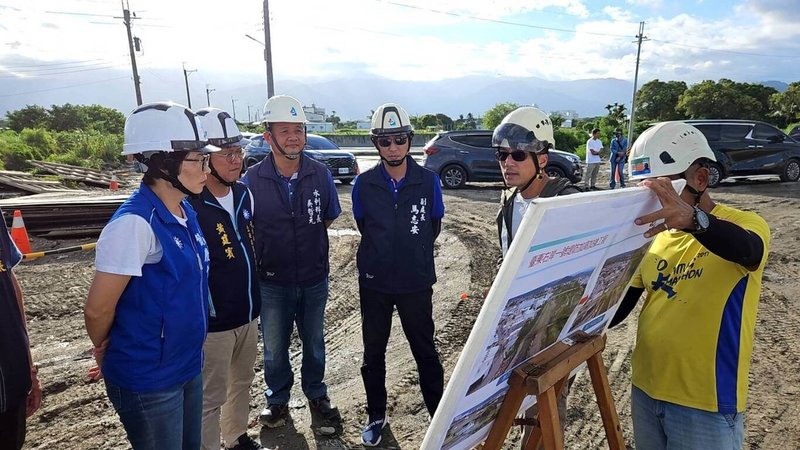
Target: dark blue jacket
[(156, 339), (233, 278), (15, 373), (397, 235), (292, 239)]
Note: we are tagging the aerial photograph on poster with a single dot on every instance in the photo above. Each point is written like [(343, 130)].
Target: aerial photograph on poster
[(473, 419), (609, 288), (530, 323)]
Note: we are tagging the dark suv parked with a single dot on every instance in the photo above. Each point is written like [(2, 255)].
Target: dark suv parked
[(342, 164), (749, 147), (462, 156)]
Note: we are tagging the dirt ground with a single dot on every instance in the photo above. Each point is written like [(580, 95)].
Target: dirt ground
[(77, 415)]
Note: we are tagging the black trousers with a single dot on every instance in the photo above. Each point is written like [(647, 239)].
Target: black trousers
[(12, 428), (416, 316)]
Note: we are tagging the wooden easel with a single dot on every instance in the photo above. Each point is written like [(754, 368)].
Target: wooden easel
[(545, 377)]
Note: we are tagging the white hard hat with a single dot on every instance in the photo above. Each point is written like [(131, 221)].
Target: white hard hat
[(220, 128), (667, 148), (390, 118), (526, 128), (283, 108), (164, 127)]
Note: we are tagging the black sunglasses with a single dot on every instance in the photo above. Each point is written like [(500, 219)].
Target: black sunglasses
[(387, 141), (516, 155)]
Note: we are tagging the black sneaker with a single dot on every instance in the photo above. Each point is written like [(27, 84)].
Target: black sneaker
[(245, 442), (322, 407), (274, 416)]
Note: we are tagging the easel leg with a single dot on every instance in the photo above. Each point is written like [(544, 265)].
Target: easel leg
[(505, 418), (552, 437), (535, 439), (597, 371)]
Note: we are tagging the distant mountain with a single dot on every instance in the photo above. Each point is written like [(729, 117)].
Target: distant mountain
[(780, 86), (352, 98)]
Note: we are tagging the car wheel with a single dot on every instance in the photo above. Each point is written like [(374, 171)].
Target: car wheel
[(554, 172), (791, 171), (346, 180), (714, 174), (454, 177)]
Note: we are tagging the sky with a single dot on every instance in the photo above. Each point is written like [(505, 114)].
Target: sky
[(412, 40)]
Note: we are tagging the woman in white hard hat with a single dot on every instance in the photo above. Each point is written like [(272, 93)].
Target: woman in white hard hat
[(146, 312)]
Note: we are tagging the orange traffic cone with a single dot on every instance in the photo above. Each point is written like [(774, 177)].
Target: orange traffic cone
[(19, 234), (114, 184)]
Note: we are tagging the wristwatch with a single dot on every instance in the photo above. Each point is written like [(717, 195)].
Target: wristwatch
[(701, 221)]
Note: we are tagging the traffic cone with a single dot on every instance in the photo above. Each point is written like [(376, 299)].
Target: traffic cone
[(19, 234), (114, 184)]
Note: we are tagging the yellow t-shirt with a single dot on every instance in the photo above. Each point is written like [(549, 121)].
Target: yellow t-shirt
[(695, 334)]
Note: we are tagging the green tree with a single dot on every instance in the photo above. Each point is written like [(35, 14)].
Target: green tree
[(658, 100), (444, 122), (470, 123), (334, 119), (557, 120), (31, 116), (786, 105), (68, 117), (723, 100), (104, 120), (616, 115), (427, 120), (495, 115)]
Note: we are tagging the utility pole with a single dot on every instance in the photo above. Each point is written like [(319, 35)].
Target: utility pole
[(233, 108), (249, 119), (268, 51), (639, 38), (208, 95), (126, 18), (186, 79)]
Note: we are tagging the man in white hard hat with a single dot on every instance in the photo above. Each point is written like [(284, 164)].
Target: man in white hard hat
[(702, 281), (523, 140), (225, 212), (398, 208), (295, 202)]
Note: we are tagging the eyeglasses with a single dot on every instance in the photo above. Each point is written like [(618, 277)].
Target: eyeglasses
[(387, 141), (203, 160), (232, 156), (516, 155)]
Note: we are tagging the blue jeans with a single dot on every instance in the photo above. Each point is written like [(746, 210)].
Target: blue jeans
[(281, 308), (618, 163), (164, 420), (663, 425)]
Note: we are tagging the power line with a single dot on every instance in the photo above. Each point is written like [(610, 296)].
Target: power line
[(734, 52), (42, 75), (14, 67), (54, 70), (62, 87), (501, 22)]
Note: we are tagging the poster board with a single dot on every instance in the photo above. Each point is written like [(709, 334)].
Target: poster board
[(567, 270)]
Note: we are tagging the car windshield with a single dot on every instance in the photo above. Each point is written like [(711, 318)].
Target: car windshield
[(320, 143)]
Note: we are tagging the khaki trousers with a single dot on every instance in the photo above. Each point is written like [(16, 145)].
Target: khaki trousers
[(227, 376)]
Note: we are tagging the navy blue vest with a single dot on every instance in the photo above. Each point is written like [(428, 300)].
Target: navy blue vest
[(156, 340), (15, 374), (232, 279), (396, 250), (291, 239)]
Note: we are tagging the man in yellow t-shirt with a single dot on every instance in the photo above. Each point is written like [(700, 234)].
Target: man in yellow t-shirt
[(702, 280)]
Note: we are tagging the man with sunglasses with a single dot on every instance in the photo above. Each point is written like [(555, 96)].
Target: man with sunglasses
[(702, 281), (398, 208), (225, 212), (523, 140)]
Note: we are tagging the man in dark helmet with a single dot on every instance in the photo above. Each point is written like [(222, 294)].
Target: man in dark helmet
[(398, 208), (523, 140)]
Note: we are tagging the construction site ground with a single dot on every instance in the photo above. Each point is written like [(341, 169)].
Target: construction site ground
[(76, 413)]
